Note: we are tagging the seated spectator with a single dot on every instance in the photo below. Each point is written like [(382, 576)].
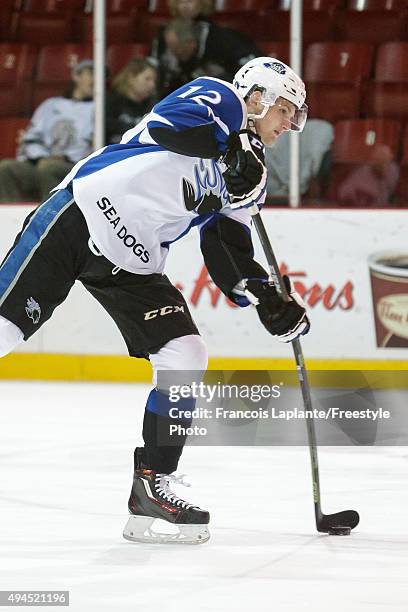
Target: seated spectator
[(181, 61), (315, 145), (132, 96), (222, 50), (372, 184), (59, 134)]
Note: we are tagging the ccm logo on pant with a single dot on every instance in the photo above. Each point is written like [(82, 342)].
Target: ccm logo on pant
[(162, 312)]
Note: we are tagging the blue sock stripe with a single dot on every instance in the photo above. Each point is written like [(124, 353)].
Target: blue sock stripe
[(160, 404), (37, 229)]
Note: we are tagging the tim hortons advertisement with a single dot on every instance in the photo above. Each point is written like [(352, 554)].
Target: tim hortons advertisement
[(350, 267)]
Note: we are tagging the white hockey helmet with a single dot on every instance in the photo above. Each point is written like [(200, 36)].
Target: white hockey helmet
[(275, 80)]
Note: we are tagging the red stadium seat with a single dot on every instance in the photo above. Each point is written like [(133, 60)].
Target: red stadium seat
[(120, 27), (17, 63), (392, 62), (401, 194), (280, 50), (148, 25), (386, 100), (387, 96), (8, 18), (376, 5), (248, 23), (338, 61), (119, 55), (333, 101), (125, 6), (354, 139), (39, 29), (52, 6), (404, 158), (54, 67), (9, 129), (371, 26), (275, 25), (333, 74), (402, 188), (312, 5)]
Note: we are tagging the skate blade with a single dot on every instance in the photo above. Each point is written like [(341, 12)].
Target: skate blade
[(140, 529)]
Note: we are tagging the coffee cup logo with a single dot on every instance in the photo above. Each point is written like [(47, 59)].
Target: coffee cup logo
[(389, 284)]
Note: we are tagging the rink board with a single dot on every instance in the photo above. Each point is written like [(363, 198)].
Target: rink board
[(326, 253)]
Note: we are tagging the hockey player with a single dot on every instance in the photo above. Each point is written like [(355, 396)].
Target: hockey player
[(195, 160)]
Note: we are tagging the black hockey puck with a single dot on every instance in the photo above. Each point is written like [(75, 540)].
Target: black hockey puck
[(339, 531)]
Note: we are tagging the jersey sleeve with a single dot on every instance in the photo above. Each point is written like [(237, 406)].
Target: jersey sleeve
[(197, 118), (226, 245)]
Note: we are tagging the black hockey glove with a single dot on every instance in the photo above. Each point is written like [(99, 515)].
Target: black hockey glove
[(245, 176), (286, 320)]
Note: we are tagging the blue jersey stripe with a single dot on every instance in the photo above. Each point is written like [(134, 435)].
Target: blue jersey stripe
[(114, 154), (34, 233)]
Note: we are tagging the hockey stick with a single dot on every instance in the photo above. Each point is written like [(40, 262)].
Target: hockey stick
[(339, 523)]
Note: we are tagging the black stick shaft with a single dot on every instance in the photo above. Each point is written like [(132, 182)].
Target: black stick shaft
[(300, 363)]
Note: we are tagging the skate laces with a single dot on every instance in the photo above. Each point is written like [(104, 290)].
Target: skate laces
[(163, 489)]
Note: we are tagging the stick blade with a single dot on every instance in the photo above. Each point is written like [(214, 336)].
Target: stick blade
[(347, 518)]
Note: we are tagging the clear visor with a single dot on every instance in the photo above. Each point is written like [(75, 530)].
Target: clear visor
[(297, 123)]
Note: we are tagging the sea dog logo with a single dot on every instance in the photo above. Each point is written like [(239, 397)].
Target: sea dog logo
[(33, 310), (162, 312), (208, 193)]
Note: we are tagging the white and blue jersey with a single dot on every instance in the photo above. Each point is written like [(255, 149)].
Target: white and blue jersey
[(138, 197)]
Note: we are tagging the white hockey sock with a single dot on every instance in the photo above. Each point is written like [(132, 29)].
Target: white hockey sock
[(10, 336)]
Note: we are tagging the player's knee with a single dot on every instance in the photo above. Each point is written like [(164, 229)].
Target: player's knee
[(194, 352), (10, 336), (184, 353)]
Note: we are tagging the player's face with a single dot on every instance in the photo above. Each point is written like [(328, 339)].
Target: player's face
[(276, 121)]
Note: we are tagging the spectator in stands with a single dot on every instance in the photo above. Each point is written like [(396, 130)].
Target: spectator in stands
[(372, 184), (315, 156), (132, 96), (59, 134), (222, 51), (181, 61)]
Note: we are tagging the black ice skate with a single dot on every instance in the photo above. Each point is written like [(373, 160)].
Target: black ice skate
[(151, 498)]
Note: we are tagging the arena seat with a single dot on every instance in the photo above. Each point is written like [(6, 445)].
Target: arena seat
[(38, 22), (148, 24), (376, 26), (9, 129), (392, 62), (118, 56), (280, 50), (376, 5), (333, 74), (338, 62), (120, 27), (354, 139), (275, 25), (402, 187), (17, 61), (54, 66), (386, 100), (8, 19)]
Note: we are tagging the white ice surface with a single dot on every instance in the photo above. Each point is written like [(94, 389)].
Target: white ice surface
[(66, 467)]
